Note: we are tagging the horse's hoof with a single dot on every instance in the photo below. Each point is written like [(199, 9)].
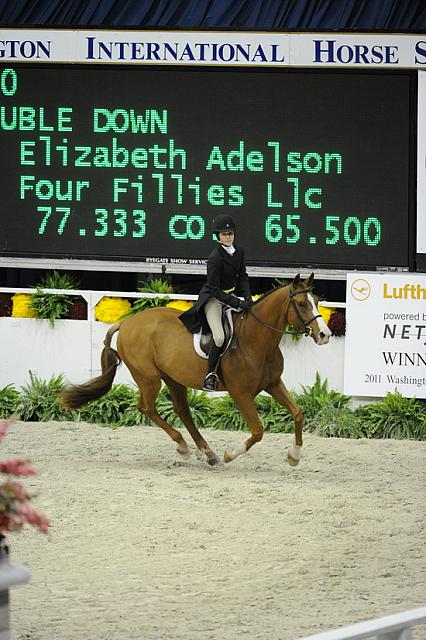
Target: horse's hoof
[(293, 462), (184, 455), (227, 457), (213, 462)]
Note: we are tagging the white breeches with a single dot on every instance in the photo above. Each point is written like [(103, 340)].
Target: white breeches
[(213, 311)]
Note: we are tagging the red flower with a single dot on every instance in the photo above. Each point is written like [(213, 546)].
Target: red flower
[(4, 426), (337, 323), (14, 490), (15, 507), (16, 467), (33, 517)]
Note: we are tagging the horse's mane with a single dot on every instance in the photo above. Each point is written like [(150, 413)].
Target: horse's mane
[(281, 286), (268, 293)]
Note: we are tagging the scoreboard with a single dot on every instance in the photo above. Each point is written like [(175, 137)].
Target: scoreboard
[(132, 163)]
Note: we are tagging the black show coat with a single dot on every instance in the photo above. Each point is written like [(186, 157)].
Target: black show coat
[(223, 272)]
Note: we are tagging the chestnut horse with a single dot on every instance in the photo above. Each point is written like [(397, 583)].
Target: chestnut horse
[(156, 346)]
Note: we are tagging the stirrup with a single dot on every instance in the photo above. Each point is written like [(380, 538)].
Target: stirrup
[(211, 382)]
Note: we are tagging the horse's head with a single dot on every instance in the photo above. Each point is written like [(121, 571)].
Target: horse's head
[(303, 312)]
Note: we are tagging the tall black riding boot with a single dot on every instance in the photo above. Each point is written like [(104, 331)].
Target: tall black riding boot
[(210, 383)]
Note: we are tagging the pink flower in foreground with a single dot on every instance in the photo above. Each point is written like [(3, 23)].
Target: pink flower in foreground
[(4, 426), (10, 521), (17, 467), (33, 517), (13, 490), (15, 507)]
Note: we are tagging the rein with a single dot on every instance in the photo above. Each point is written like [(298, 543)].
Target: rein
[(306, 324), (265, 324)]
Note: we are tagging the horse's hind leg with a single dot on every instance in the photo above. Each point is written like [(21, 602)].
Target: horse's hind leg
[(279, 392), (148, 395), (179, 395)]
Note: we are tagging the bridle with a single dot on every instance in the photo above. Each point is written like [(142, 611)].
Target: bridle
[(306, 323), (307, 329)]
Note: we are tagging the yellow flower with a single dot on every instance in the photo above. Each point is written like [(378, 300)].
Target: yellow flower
[(326, 313), (21, 306), (111, 309), (182, 305)]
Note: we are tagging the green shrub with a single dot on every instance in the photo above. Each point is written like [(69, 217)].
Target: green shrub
[(394, 417), (225, 415), (156, 285), (52, 306), (9, 400), (314, 398), (326, 411), (55, 280), (119, 408), (116, 408), (39, 400), (200, 405), (336, 422), (274, 417), (130, 414)]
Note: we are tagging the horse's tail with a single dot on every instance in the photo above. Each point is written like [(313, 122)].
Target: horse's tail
[(76, 395)]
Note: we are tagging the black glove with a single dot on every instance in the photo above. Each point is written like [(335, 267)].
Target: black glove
[(246, 305)]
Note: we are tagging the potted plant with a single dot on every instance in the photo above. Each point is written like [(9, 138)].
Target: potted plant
[(15, 511), (52, 306), (156, 285)]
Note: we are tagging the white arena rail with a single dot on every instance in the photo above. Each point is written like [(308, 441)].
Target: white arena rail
[(75, 346), (393, 627), (93, 297)]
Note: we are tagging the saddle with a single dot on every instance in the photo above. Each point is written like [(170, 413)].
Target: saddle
[(202, 341)]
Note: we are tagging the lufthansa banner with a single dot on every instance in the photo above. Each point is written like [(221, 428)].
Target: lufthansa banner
[(385, 345), (316, 50)]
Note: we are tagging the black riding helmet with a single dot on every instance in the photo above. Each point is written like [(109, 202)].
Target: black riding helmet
[(223, 222)]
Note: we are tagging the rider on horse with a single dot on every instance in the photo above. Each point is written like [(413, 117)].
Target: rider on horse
[(226, 276)]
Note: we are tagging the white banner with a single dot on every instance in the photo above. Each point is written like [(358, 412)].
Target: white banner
[(385, 344), (317, 50), (421, 164)]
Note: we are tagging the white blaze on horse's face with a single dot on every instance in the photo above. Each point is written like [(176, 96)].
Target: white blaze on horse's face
[(324, 333)]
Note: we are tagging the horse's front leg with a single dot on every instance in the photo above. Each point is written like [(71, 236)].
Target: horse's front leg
[(248, 410), (279, 392)]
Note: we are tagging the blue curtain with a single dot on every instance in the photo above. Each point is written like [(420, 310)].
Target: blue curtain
[(348, 15)]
